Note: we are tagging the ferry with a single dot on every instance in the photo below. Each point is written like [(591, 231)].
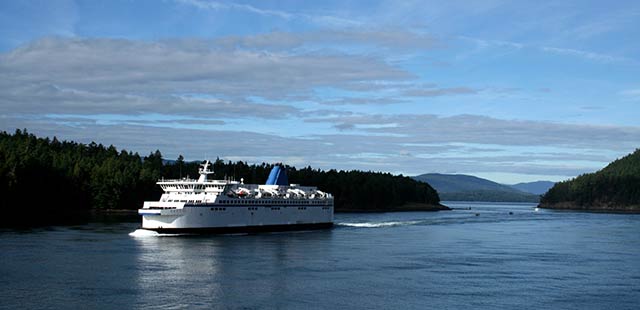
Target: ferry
[(226, 206)]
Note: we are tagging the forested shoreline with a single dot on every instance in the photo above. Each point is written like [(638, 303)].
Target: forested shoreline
[(47, 181), (615, 188)]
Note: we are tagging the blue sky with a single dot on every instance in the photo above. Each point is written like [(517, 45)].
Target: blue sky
[(512, 91)]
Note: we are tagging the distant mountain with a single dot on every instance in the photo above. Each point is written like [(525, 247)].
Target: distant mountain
[(460, 187), (536, 188), (615, 188)]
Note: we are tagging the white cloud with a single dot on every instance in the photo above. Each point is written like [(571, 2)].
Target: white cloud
[(435, 92), (214, 5), (387, 38), (586, 55), (324, 20), (422, 129), (482, 44), (110, 76)]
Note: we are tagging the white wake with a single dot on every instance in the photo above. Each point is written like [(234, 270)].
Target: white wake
[(379, 224), (144, 233), (141, 233)]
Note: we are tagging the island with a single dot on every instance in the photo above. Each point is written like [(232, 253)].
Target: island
[(615, 188), (46, 181)]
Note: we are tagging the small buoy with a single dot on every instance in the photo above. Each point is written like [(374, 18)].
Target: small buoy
[(477, 214), (510, 213)]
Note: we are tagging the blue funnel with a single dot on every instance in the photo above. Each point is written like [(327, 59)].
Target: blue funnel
[(278, 176)]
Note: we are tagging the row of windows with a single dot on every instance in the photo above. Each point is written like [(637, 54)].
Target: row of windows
[(261, 202), (272, 208), (192, 186), (276, 206), (251, 208)]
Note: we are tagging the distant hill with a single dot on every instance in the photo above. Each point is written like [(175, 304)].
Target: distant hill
[(614, 188), (536, 188), (460, 187)]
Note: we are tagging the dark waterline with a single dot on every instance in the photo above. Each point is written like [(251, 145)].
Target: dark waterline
[(491, 256)]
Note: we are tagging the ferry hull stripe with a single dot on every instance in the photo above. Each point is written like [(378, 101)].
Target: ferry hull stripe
[(242, 229)]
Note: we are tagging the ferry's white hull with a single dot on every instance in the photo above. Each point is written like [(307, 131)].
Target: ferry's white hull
[(241, 218)]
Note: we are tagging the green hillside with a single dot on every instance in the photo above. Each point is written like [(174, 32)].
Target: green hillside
[(614, 188)]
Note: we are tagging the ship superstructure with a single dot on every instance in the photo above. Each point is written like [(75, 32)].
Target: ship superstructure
[(224, 206)]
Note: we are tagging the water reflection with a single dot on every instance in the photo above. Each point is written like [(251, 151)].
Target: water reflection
[(250, 270)]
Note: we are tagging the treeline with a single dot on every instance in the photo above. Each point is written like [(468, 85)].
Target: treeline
[(50, 181), (616, 187), (45, 181)]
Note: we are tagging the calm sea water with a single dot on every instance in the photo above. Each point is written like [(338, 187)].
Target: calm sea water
[(482, 258)]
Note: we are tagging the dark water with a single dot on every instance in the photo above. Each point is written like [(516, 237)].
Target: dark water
[(417, 260)]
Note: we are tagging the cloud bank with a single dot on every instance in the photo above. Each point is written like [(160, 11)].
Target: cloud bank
[(214, 97)]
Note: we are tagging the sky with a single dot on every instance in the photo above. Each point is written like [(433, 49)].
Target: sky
[(512, 91)]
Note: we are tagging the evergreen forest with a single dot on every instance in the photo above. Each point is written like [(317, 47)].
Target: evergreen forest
[(48, 181), (614, 188)]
